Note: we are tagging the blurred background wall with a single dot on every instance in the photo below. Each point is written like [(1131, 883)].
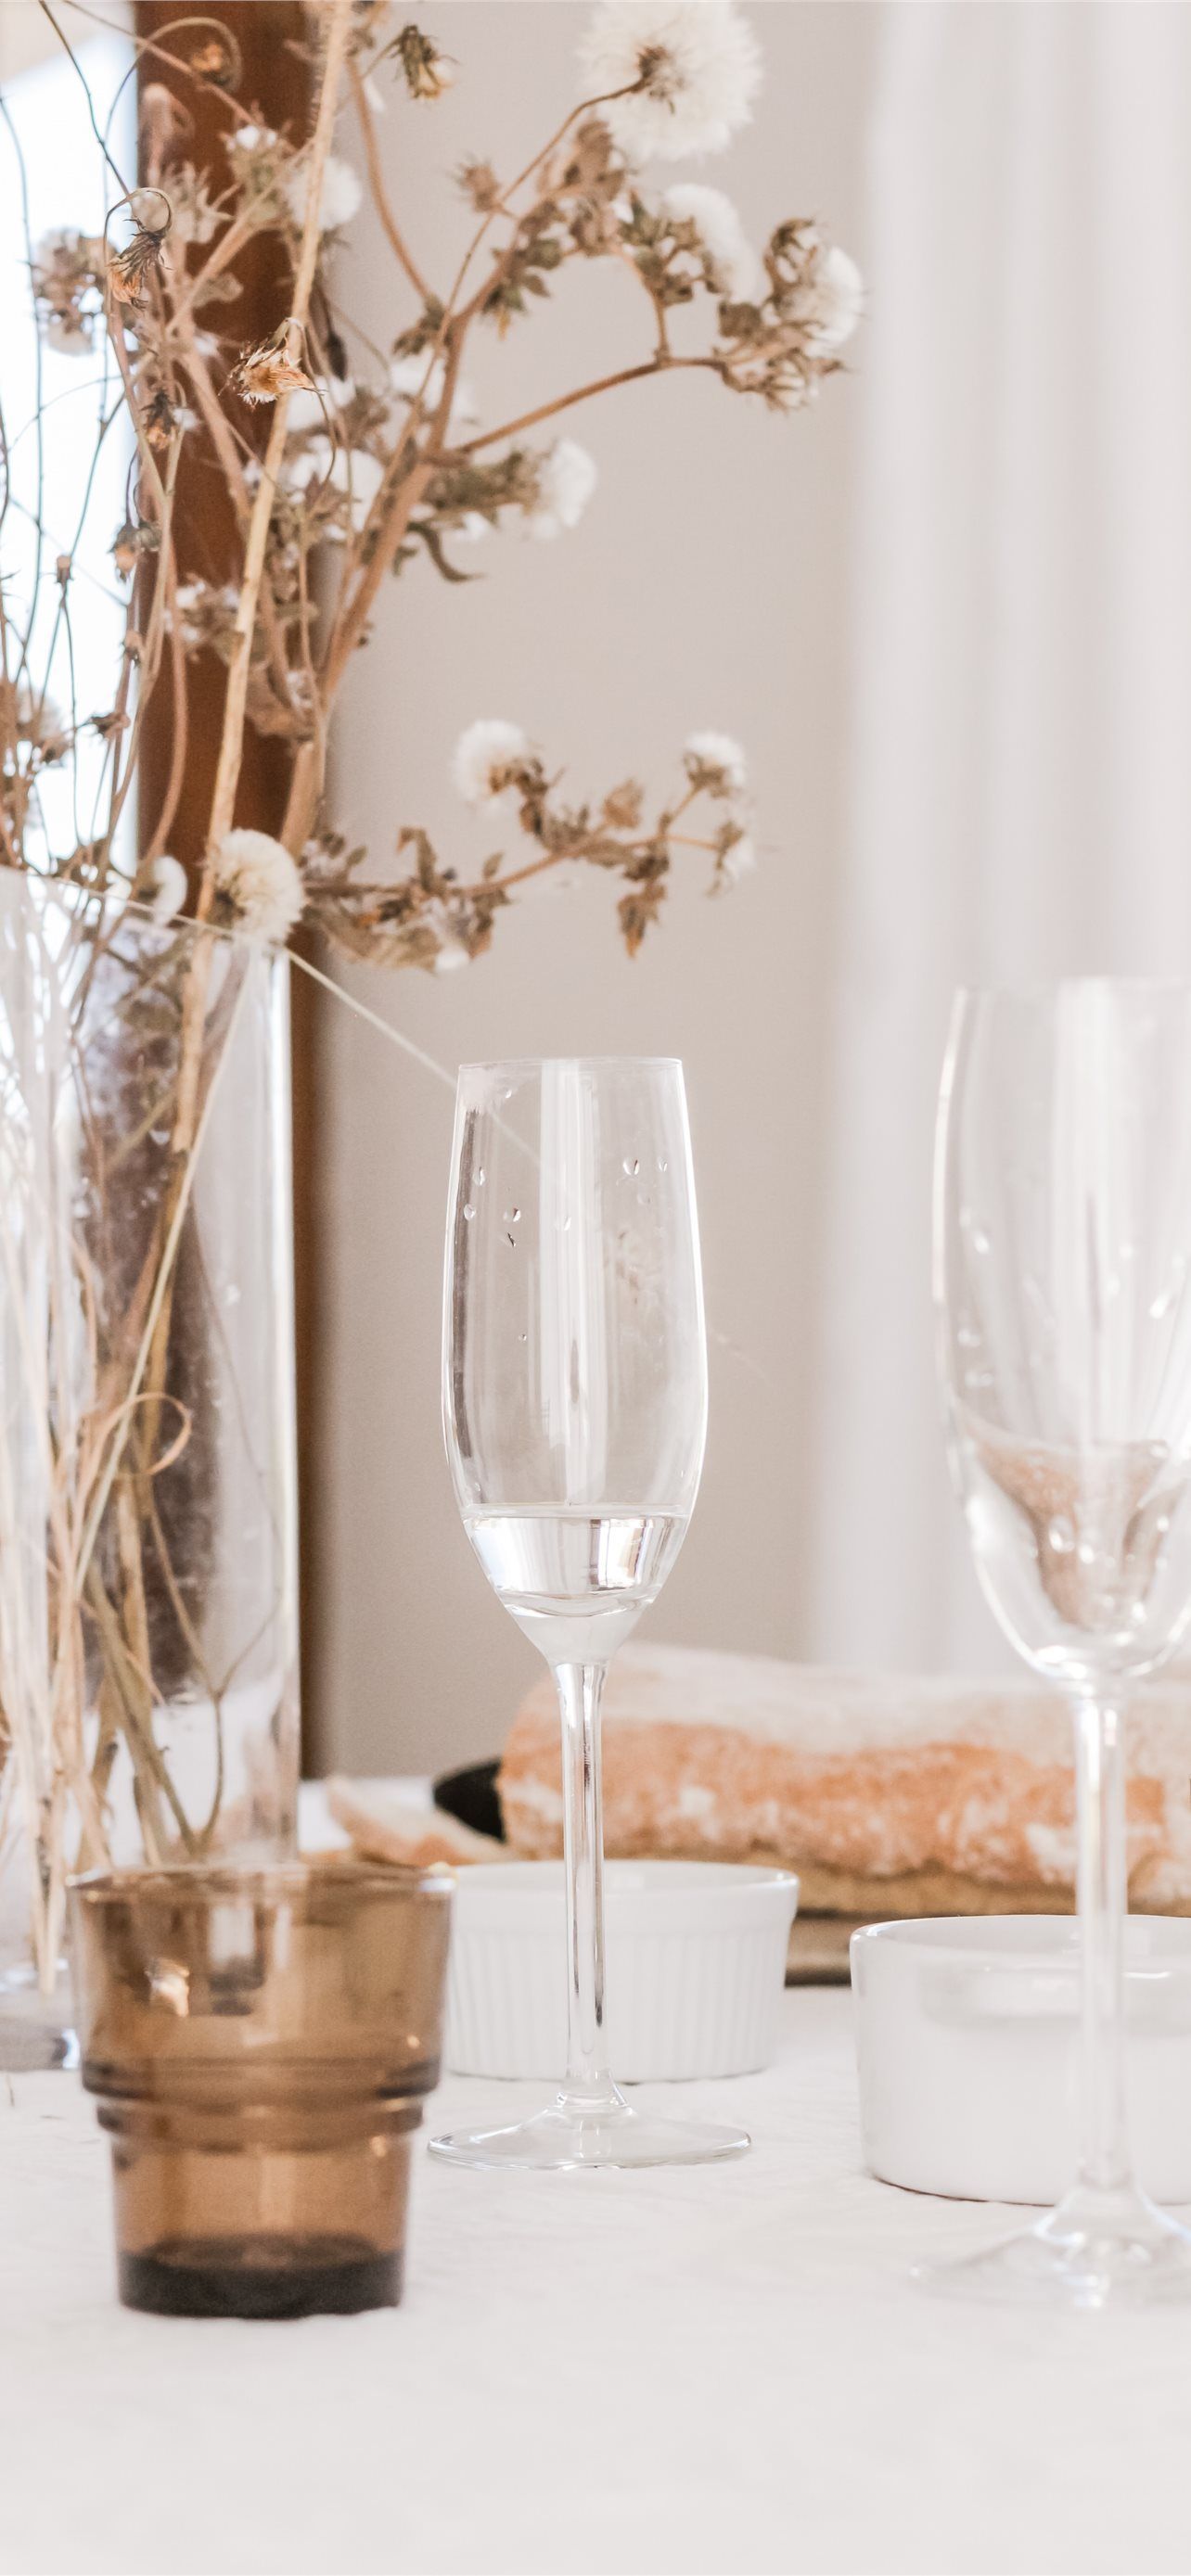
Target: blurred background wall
[(947, 612), (707, 585)]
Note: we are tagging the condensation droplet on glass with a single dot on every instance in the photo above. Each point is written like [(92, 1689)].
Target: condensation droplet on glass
[(1086, 1552), (480, 1178), (232, 1294), (968, 1338), (1059, 1537), (468, 1213), (566, 1225), (523, 1337), (979, 1239), (512, 1216), (662, 1163), (630, 1169)]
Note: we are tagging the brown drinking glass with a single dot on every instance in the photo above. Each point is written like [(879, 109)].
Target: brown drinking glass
[(261, 2042)]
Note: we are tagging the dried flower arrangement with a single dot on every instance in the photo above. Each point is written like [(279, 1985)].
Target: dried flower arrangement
[(343, 466)]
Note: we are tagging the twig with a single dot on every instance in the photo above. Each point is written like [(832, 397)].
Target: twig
[(654, 366), (231, 745), (377, 183)]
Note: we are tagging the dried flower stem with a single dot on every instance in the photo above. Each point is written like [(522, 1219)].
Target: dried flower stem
[(662, 364), (376, 182), (231, 745)]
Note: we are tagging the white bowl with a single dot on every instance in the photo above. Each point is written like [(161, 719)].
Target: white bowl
[(966, 2040), (695, 1964)]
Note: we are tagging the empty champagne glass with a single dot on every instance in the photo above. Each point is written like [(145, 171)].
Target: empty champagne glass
[(1063, 1297), (575, 1409)]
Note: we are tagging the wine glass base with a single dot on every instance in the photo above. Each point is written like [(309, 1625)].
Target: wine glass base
[(559, 2139), (1096, 2250)]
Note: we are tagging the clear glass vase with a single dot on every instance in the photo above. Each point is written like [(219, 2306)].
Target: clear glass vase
[(148, 1631)]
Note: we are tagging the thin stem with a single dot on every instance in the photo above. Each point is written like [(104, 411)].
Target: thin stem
[(583, 393), (588, 2090), (1105, 2164), (232, 737), (376, 182)]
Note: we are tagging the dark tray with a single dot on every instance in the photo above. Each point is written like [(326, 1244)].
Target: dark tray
[(470, 1796)]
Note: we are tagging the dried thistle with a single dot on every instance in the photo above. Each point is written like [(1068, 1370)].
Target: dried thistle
[(478, 182), (274, 367), (216, 58), (128, 269), (136, 538), (427, 72)]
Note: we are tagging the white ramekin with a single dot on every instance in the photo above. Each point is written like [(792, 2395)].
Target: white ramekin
[(696, 1961), (966, 2042)]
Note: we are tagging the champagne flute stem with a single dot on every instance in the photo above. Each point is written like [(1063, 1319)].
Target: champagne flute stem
[(588, 2090), (1103, 1897)]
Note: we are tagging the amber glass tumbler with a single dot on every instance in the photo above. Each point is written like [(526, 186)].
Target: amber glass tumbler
[(261, 2042)]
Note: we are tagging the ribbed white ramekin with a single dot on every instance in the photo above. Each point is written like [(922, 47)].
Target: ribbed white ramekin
[(696, 1961)]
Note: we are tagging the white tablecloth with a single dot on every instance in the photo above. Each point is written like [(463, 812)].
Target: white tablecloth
[(717, 2369)]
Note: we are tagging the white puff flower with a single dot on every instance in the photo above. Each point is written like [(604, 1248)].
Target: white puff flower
[(341, 197), (836, 301), (719, 752), (416, 375), (70, 339), (737, 861), (411, 377), (353, 471), (259, 883), (449, 957), (472, 529), (307, 411), (484, 755), (169, 889), (252, 139), (698, 63), (566, 480), (738, 270)]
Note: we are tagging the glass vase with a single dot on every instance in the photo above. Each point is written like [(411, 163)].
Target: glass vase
[(148, 1664)]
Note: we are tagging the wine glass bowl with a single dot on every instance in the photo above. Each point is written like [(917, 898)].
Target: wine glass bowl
[(1063, 1302), (575, 1414), (1063, 1292)]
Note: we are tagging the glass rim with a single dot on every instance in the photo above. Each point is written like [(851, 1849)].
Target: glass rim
[(217, 1882), (535, 1063), (1045, 988)]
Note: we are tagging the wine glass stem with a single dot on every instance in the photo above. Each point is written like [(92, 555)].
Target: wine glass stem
[(588, 2089), (1103, 1898)]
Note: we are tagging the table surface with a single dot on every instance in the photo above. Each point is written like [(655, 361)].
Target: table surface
[(722, 2368)]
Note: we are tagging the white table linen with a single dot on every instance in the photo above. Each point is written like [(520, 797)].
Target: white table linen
[(663, 2373)]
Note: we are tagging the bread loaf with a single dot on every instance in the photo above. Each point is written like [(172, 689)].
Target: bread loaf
[(888, 1794)]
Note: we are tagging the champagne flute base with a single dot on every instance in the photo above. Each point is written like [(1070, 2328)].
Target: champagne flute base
[(561, 2139), (1096, 2250)]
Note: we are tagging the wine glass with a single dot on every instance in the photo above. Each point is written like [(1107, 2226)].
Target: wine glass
[(575, 1410), (1063, 1299)]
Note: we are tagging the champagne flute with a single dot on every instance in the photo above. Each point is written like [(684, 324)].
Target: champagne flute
[(575, 1410), (1063, 1299)]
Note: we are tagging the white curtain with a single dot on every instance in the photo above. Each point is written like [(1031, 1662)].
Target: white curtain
[(1021, 755)]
